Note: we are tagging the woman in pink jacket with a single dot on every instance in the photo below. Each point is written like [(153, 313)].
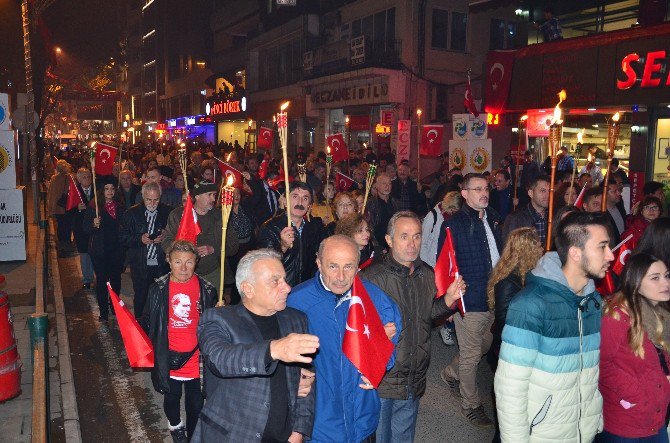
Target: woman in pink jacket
[(635, 338)]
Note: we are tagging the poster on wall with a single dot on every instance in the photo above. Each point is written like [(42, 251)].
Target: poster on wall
[(7, 165), (458, 155), (12, 225), (469, 127), (4, 112), (479, 155)]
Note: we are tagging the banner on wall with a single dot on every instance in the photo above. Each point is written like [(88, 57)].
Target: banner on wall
[(469, 127), (404, 140), (4, 112), (470, 155), (7, 165), (12, 225)]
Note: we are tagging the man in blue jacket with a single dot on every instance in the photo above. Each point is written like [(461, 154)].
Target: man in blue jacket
[(347, 408), (475, 230)]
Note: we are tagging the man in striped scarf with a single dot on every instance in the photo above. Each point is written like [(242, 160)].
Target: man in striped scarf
[(141, 233)]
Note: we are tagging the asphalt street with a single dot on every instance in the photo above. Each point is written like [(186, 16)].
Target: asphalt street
[(117, 404)]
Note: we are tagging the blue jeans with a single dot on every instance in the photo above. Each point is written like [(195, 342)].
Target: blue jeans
[(397, 420), (86, 267), (606, 437)]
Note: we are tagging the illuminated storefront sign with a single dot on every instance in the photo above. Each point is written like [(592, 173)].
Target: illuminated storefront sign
[(492, 119), (653, 72), (228, 107)]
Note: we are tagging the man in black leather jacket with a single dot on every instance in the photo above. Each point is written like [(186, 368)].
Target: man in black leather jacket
[(141, 234), (299, 243)]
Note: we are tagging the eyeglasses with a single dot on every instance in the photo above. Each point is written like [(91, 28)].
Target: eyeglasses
[(651, 208), (478, 189)]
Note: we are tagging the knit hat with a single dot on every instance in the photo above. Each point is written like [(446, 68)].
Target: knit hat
[(203, 187)]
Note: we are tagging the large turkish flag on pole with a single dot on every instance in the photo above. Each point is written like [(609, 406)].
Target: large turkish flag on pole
[(498, 80), (431, 140), (343, 182), (104, 158), (338, 148), (365, 342), (138, 345)]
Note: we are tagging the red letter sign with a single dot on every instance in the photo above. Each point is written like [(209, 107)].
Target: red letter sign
[(631, 77)]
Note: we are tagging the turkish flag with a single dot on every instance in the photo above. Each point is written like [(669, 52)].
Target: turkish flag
[(138, 346), (189, 228), (431, 140), (104, 158), (227, 170), (605, 286), (265, 138), (73, 195), (622, 258), (579, 203), (343, 182), (446, 270), (263, 168), (468, 101), (498, 80), (338, 148), (279, 178), (365, 342)]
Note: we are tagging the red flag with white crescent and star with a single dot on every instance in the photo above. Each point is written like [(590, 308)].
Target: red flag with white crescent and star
[(365, 342), (104, 158), (338, 148), (263, 168), (431, 140), (73, 195), (605, 286), (189, 228), (446, 270), (343, 182), (138, 346), (227, 170), (622, 258), (265, 138), (468, 101)]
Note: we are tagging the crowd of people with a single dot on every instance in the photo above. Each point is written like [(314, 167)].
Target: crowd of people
[(571, 363)]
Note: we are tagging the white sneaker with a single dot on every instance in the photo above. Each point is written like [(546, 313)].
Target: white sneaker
[(447, 336)]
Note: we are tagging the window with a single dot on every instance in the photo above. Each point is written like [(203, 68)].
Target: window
[(449, 30), (504, 35)]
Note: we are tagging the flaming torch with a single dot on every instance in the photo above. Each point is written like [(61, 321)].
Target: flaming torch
[(554, 143), (612, 136), (282, 126), (182, 163), (578, 152), (226, 206), (329, 164), (372, 171)]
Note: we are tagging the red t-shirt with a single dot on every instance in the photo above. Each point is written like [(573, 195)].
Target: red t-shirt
[(183, 319)]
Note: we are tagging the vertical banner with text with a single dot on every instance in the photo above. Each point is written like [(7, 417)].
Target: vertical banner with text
[(404, 140)]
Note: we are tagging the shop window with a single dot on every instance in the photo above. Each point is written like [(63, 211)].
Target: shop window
[(662, 151), (449, 30)]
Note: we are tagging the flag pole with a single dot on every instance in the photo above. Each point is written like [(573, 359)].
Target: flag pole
[(522, 120), (554, 143), (95, 187), (282, 126), (226, 205), (612, 136), (418, 145), (578, 151), (182, 163)]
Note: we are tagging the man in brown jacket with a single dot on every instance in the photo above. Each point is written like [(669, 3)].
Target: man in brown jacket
[(406, 279), (56, 202)]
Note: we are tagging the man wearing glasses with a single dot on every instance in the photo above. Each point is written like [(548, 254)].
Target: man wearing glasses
[(475, 230)]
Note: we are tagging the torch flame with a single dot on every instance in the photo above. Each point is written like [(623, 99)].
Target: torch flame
[(228, 156), (284, 105), (580, 136), (523, 118), (562, 96), (615, 117), (557, 115), (328, 149), (230, 180)]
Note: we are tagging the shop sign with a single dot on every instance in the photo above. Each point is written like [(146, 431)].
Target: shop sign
[(137, 122), (12, 225), (228, 107), (653, 65), (190, 121), (161, 127), (350, 94), (203, 120), (386, 117), (382, 129), (636, 186), (404, 141), (357, 45)]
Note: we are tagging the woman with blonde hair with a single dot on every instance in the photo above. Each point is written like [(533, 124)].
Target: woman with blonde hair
[(356, 226), (344, 204), (520, 255), (634, 355)]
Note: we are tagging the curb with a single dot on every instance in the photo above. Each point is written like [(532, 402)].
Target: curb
[(69, 398)]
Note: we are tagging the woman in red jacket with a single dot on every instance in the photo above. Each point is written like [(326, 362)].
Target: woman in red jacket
[(634, 357), (650, 210)]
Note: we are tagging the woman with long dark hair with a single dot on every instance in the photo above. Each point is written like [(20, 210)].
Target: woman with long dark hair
[(104, 245), (634, 360), (357, 227)]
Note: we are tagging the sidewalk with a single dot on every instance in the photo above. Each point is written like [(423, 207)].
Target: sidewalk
[(22, 278)]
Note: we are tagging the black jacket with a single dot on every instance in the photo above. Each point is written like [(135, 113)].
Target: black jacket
[(134, 191), (133, 226), (257, 202), (415, 296), (80, 237), (155, 322), (299, 260), (103, 241), (504, 292)]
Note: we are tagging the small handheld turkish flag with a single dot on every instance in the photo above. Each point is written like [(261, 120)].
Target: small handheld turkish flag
[(104, 158), (138, 345), (431, 140), (468, 101), (623, 256), (338, 148), (263, 168), (227, 170), (580, 198), (446, 270), (365, 342), (605, 286), (343, 182), (73, 196), (265, 138), (189, 228)]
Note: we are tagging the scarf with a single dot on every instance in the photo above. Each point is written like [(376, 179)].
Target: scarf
[(110, 207), (649, 315)]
